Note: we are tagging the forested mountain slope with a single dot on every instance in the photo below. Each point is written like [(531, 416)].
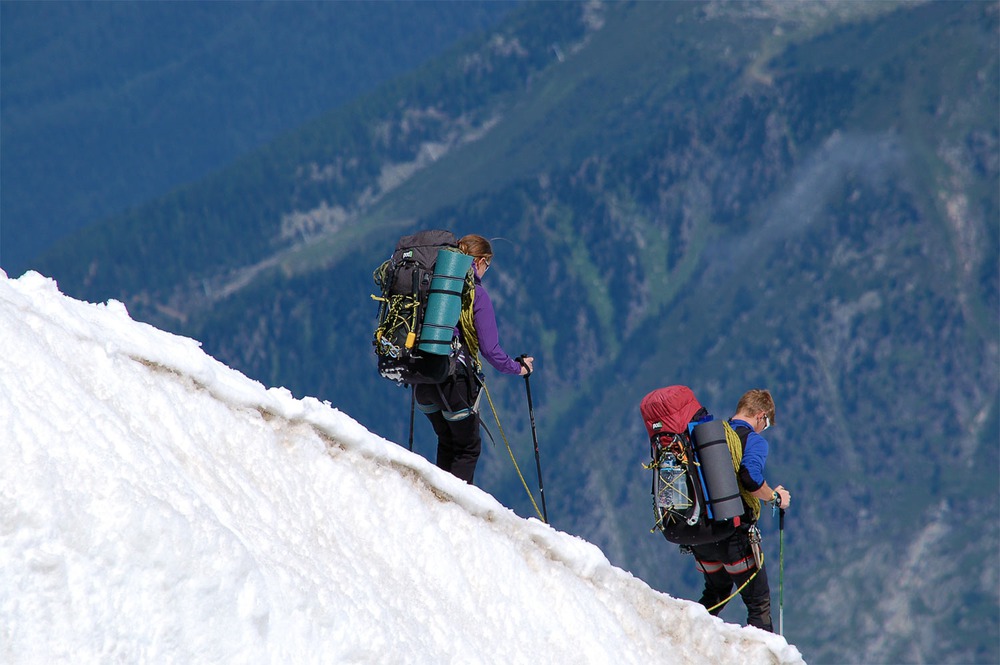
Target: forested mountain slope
[(105, 105)]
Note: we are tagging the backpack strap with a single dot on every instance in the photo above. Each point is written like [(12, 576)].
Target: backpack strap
[(743, 432)]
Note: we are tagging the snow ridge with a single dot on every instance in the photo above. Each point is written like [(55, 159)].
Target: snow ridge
[(159, 506)]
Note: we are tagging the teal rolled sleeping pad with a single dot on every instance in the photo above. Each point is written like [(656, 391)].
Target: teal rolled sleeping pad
[(444, 303)]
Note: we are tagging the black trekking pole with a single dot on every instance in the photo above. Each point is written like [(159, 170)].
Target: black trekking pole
[(781, 571), (534, 437), (413, 398)]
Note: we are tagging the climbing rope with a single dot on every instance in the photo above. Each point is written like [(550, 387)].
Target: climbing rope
[(742, 586), (511, 453)]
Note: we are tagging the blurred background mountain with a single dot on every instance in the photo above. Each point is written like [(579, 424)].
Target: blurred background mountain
[(798, 196), (106, 105)]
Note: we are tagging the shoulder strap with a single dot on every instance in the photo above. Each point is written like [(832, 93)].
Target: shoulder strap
[(743, 432)]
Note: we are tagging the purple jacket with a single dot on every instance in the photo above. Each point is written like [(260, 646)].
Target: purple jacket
[(489, 338)]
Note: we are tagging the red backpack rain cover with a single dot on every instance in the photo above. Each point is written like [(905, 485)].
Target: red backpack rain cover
[(669, 409)]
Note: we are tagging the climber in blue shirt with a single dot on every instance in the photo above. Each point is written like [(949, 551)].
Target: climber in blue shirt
[(736, 561)]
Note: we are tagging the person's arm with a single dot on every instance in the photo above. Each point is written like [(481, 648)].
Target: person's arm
[(489, 337), (752, 472)]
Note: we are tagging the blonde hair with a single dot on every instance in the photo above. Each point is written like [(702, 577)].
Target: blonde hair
[(476, 245), (755, 401)]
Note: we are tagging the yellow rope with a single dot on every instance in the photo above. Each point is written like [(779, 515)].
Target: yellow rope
[(735, 449), (511, 452), (466, 320)]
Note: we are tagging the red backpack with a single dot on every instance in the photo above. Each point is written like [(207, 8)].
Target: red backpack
[(696, 496)]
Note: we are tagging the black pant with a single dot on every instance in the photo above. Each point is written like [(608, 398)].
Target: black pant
[(730, 563), (450, 407)]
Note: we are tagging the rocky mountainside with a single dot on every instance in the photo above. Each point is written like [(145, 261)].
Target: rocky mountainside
[(799, 197)]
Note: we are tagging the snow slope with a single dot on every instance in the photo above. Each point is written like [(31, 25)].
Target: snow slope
[(158, 506)]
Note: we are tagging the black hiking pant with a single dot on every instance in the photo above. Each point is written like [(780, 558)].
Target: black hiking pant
[(730, 563), (451, 409)]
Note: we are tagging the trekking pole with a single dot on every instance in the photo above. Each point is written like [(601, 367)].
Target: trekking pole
[(781, 571), (413, 399), (534, 437)]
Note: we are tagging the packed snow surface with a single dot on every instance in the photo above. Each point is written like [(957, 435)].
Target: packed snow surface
[(157, 506)]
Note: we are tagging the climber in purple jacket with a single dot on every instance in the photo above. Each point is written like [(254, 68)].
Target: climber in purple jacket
[(451, 406)]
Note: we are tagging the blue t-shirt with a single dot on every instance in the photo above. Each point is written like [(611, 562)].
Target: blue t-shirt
[(754, 454)]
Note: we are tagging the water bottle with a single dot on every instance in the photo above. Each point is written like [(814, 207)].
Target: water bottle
[(672, 494)]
